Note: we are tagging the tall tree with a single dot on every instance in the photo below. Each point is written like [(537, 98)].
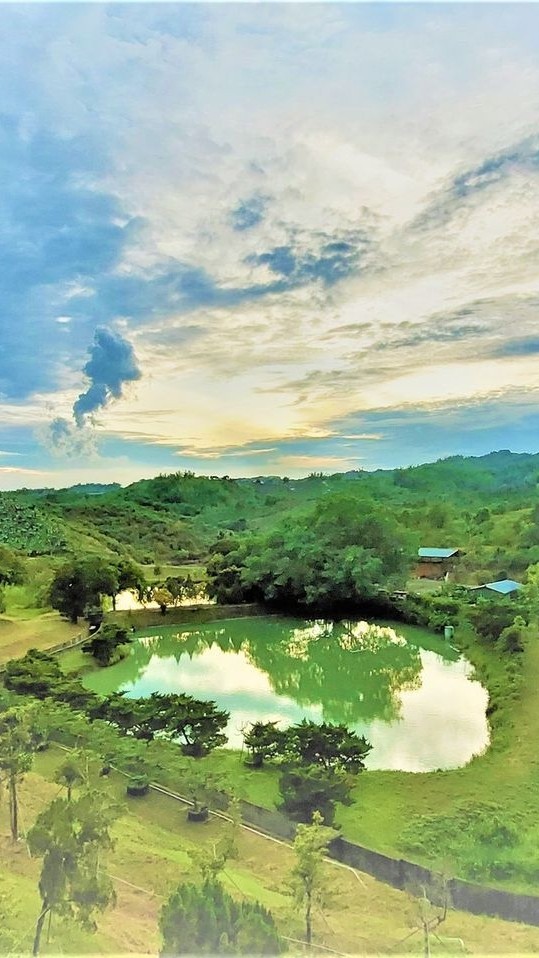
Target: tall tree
[(17, 746), (70, 837), (309, 884)]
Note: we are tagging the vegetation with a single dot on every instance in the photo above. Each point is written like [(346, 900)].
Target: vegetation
[(17, 744), (337, 556), (308, 879), (334, 543), (109, 644), (69, 837), (206, 920)]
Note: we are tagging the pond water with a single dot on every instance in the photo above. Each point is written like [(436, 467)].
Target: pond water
[(408, 691)]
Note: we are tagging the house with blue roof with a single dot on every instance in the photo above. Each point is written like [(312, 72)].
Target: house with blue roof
[(434, 562), (500, 588)]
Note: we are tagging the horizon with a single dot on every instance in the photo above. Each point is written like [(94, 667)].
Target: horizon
[(266, 476), (266, 238)]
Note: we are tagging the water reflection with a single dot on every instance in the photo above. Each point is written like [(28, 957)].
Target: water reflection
[(408, 692)]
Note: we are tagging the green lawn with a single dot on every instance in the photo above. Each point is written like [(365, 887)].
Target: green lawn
[(153, 848)]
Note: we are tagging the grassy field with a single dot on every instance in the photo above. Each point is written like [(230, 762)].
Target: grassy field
[(152, 853), (38, 632)]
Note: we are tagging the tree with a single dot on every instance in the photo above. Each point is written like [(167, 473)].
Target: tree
[(71, 773), (336, 556), (108, 644), (195, 724), (12, 569), (163, 598), (512, 638), (331, 746), (70, 837), (431, 903), (211, 859), (39, 674), (80, 584), (530, 592), (489, 618), (204, 788), (176, 587), (308, 882), (206, 920), (310, 789), (130, 577), (17, 746), (264, 740)]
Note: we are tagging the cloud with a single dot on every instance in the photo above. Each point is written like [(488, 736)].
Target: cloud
[(249, 212), (65, 439), (470, 185), (112, 364), (327, 258)]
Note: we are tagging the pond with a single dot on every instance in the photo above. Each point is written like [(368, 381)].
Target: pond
[(408, 691)]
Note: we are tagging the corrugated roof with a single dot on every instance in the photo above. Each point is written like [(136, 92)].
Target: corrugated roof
[(503, 586), (426, 553)]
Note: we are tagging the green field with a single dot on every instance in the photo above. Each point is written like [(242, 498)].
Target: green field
[(153, 845)]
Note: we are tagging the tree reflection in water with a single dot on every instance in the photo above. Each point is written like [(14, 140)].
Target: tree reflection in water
[(353, 671)]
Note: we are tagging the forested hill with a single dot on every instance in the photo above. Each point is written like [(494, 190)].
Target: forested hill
[(487, 506)]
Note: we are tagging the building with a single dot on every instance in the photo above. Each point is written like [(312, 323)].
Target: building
[(434, 563), (500, 588)]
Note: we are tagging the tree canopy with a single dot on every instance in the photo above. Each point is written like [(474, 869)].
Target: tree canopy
[(206, 920), (339, 554)]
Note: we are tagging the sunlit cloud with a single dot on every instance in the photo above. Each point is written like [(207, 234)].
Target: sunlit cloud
[(300, 220)]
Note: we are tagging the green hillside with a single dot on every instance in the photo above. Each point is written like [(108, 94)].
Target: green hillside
[(486, 506)]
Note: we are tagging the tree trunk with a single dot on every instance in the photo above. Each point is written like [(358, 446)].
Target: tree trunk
[(426, 940), (308, 923), (69, 792), (39, 928), (13, 808)]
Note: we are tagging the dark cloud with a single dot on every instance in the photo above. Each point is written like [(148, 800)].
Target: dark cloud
[(112, 364), (249, 213), (318, 257)]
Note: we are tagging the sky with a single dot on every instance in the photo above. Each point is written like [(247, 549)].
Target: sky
[(251, 239)]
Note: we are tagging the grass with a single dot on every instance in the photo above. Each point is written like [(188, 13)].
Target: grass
[(153, 851), (44, 630)]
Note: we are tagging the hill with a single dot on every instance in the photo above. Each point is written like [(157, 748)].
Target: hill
[(487, 506)]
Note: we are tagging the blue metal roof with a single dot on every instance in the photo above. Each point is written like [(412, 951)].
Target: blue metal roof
[(425, 553), (504, 586)]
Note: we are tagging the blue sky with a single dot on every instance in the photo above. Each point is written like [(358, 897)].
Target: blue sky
[(266, 238)]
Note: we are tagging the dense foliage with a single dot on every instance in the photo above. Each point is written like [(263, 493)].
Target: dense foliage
[(339, 554), (206, 920)]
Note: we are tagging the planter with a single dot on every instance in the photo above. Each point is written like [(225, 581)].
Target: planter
[(194, 750), (137, 789), (254, 761), (198, 814)]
